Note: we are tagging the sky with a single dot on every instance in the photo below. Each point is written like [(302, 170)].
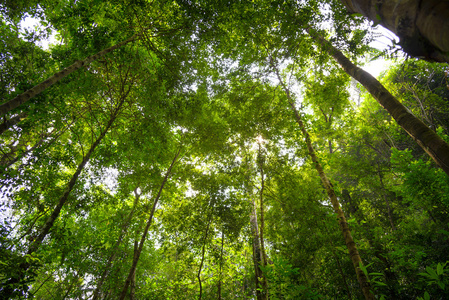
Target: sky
[(375, 68)]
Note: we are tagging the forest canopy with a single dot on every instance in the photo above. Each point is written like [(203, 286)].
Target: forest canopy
[(223, 150)]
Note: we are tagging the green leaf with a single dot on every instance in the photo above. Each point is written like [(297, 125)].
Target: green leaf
[(432, 273)]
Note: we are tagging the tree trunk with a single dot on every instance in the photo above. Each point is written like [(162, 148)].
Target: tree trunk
[(256, 252), (221, 265), (350, 244), (202, 258), (147, 227), (429, 141), (263, 254), (422, 26), (24, 97), (133, 280), (7, 292), (115, 248), (62, 200)]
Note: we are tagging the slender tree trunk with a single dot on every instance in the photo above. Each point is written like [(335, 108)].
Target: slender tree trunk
[(62, 200), (429, 141), (263, 254), (202, 258), (7, 292), (133, 280), (352, 248), (422, 26), (24, 97), (220, 278), (115, 248), (262, 223), (147, 227), (257, 259)]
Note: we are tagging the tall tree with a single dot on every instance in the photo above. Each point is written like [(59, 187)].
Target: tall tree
[(429, 141), (350, 244), (421, 26)]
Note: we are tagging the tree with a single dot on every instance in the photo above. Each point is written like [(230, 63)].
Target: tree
[(175, 167), (429, 141), (420, 26), (352, 248)]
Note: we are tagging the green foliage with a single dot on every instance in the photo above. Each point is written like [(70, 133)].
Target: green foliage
[(282, 277), (199, 80)]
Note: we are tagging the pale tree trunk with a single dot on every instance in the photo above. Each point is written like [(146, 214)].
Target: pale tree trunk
[(429, 141), (116, 246), (422, 26), (350, 244), (147, 227), (24, 97)]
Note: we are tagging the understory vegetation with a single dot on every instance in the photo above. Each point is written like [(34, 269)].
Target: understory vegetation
[(217, 150)]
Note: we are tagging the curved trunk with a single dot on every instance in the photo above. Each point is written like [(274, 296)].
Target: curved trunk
[(24, 97), (422, 26), (350, 244), (145, 232), (429, 141)]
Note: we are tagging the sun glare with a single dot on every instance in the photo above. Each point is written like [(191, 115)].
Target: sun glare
[(260, 139)]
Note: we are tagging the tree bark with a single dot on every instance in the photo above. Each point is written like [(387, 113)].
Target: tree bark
[(147, 227), (257, 259), (350, 244), (429, 141), (117, 244), (7, 292), (62, 200), (422, 26), (202, 258), (221, 265), (132, 293), (24, 97), (263, 254)]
